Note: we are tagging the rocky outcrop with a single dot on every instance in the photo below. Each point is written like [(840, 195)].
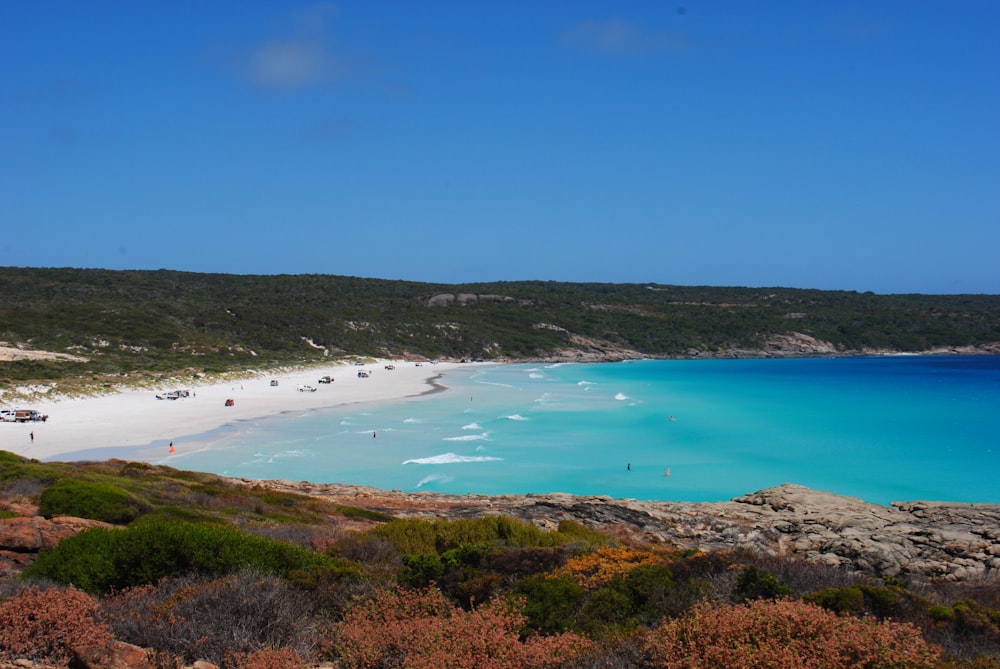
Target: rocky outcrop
[(465, 299), (116, 655), (919, 540), (21, 538)]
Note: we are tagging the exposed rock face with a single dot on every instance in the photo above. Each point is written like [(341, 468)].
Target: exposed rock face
[(921, 540), (443, 300), (465, 299), (797, 344)]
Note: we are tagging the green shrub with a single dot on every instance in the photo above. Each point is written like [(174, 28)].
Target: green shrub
[(84, 499), (579, 532), (881, 601), (366, 514), (551, 604), (6, 457), (651, 589), (410, 536), (99, 560), (941, 613), (843, 601), (424, 537), (418, 571), (755, 583)]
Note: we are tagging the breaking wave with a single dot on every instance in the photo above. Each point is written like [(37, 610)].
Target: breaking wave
[(469, 437), (449, 459)]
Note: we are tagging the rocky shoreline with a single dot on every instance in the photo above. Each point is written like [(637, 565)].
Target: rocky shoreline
[(915, 540), (919, 541)]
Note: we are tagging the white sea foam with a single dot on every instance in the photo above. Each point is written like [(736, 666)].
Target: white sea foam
[(536, 375), (493, 383), (430, 478), (472, 426), (516, 416), (449, 459), (412, 420), (469, 437), (585, 383), (621, 396)]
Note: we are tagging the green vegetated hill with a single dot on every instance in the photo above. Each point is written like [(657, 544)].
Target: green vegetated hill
[(197, 568), (164, 320)]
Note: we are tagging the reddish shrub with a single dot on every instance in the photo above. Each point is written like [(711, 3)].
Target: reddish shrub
[(785, 634), (47, 625), (422, 630), (267, 658)]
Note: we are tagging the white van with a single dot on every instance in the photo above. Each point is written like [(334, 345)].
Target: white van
[(8, 416)]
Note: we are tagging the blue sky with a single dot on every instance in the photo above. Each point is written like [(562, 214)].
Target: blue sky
[(835, 145)]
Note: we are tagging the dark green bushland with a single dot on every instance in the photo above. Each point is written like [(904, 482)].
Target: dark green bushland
[(423, 537), (85, 499), (100, 560)]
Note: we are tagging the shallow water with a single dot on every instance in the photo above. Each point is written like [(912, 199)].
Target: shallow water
[(883, 429)]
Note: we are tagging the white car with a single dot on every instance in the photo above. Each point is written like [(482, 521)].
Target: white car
[(306, 389)]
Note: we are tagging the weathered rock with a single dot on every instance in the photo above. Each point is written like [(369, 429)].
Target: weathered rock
[(443, 300), (116, 655)]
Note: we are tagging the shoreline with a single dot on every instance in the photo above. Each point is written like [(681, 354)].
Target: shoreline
[(131, 424)]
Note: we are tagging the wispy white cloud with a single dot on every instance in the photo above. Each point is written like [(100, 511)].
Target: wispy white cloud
[(304, 56), (294, 63), (618, 36)]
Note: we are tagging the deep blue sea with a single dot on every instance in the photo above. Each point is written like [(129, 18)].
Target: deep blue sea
[(878, 428)]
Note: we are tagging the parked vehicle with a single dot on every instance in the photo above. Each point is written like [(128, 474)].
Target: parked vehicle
[(274, 382), (326, 379), (174, 395), (306, 389), (230, 402), (7, 416), (29, 415)]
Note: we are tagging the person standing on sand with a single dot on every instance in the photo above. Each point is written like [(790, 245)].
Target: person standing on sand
[(32, 436)]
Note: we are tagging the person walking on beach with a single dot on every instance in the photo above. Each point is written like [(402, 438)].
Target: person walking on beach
[(172, 447), (32, 436)]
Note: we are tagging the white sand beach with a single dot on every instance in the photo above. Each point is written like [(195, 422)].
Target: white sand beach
[(136, 419)]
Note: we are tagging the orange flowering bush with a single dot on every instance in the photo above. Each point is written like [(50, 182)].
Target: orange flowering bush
[(47, 625), (785, 633), (599, 568), (422, 630)]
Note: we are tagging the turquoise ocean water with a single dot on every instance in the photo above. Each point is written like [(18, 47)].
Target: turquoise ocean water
[(880, 428)]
